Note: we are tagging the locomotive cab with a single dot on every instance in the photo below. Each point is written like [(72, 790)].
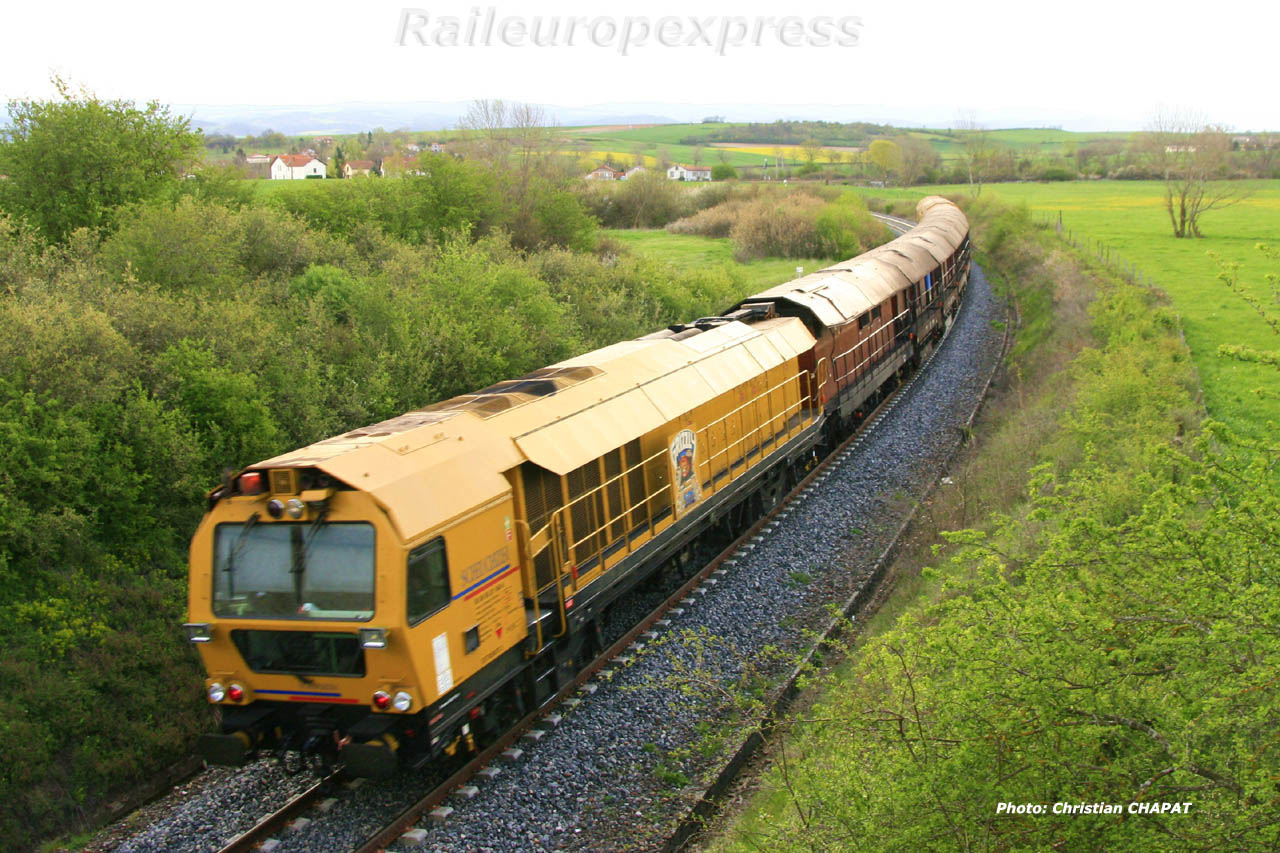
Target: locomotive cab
[(324, 633)]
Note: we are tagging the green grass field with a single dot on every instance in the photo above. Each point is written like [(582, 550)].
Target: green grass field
[(687, 251), (948, 143), (617, 142), (1129, 218)]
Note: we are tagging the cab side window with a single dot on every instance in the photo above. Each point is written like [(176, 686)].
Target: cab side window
[(428, 586)]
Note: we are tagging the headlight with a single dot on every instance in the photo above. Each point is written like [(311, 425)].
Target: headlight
[(373, 638), (217, 692), (198, 632), (402, 701), (294, 508)]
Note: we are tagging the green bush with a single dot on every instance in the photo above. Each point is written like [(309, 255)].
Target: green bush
[(647, 200), (185, 245)]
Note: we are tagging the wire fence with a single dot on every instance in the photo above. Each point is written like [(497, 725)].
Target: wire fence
[(1116, 262), (1106, 255)]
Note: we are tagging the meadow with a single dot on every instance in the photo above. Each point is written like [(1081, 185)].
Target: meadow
[(1129, 220), (948, 143), (687, 251), (1125, 222)]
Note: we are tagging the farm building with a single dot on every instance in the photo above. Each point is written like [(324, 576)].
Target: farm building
[(681, 172), (296, 166)]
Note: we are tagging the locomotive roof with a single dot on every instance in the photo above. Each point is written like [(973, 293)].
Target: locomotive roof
[(838, 294), (432, 465), (428, 466)]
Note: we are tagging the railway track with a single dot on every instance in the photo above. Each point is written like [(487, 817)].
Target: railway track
[(264, 832), (437, 797), (274, 823), (607, 744), (433, 806), (897, 223)]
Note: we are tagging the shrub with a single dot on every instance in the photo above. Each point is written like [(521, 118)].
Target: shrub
[(1057, 173), (647, 200), (185, 245), (715, 221)]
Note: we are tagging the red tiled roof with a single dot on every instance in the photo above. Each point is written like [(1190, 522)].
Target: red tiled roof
[(295, 160), (360, 164)]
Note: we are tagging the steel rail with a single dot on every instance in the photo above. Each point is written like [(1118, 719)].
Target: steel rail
[(411, 815), (277, 820)]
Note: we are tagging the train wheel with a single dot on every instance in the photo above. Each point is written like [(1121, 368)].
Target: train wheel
[(774, 489)]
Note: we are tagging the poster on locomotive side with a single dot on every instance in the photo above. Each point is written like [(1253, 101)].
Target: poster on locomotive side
[(684, 467)]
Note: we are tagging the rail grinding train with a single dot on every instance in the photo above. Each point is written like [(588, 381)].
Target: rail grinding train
[(414, 587)]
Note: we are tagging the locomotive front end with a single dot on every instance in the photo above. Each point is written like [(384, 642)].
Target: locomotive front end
[(302, 650), (360, 600)]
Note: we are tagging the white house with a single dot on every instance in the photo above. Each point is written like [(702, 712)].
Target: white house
[(632, 172), (437, 148), (295, 166), (680, 172)]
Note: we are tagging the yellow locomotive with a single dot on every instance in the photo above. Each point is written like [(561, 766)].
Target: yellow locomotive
[(416, 586)]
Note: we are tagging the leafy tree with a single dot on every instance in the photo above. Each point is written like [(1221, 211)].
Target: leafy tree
[(73, 160), (723, 172), (885, 156), (917, 158), (563, 221), (188, 245), (812, 148)]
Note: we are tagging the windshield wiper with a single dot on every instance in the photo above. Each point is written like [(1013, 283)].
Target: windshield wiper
[(235, 551), (298, 552)]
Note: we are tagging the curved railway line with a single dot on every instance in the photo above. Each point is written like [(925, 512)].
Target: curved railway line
[(272, 831), (279, 821), (538, 803)]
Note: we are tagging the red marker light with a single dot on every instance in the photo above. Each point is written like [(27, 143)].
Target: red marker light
[(235, 693), (251, 483), (381, 700)]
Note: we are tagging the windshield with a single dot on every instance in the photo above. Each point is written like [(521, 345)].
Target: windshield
[(298, 570)]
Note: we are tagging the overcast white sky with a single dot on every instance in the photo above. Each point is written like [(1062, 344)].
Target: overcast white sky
[(1081, 63)]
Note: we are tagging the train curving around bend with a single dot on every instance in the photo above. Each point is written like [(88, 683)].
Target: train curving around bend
[(413, 588)]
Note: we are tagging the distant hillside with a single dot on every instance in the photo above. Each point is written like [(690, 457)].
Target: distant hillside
[(350, 117)]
